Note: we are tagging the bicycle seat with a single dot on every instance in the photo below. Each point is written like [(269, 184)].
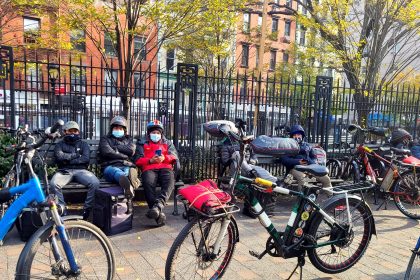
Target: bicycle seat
[(314, 169), (401, 151)]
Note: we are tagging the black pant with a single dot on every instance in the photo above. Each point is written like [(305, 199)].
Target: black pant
[(157, 177)]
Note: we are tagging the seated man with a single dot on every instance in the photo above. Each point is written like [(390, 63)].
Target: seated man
[(305, 157), (230, 157), (156, 156), (115, 152), (72, 157)]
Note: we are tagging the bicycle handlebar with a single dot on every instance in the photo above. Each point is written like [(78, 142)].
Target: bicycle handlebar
[(44, 137)]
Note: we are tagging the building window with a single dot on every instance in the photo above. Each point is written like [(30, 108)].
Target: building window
[(140, 47), (31, 27), (257, 55), (78, 79), (285, 57), (170, 59), (259, 21), (77, 40), (247, 23), (275, 25), (287, 24), (273, 54), (245, 55), (111, 82), (33, 77), (139, 85), (302, 36), (108, 45), (289, 3)]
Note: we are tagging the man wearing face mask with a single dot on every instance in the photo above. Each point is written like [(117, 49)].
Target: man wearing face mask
[(156, 156), (115, 152), (306, 156), (72, 158)]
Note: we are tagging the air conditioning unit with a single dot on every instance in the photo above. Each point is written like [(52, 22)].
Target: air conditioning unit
[(285, 39), (78, 88)]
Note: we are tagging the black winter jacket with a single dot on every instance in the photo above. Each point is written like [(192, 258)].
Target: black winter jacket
[(116, 151), (72, 155)]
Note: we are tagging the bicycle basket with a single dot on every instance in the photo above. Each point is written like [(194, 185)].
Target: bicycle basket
[(206, 197), (275, 146)]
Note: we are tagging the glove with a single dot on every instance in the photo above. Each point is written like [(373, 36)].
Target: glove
[(253, 173)]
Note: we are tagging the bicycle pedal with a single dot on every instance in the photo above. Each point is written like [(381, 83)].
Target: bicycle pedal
[(258, 256)]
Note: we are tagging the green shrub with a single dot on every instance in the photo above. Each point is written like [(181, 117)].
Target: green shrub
[(6, 161)]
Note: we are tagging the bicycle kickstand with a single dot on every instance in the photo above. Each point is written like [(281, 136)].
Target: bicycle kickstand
[(300, 264)]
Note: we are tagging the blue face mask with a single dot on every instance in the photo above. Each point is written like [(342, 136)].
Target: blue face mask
[(155, 137), (118, 133)]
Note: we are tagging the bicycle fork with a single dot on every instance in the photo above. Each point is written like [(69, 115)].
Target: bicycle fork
[(75, 269)]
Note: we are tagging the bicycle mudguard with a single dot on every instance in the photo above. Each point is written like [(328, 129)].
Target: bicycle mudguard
[(336, 198)]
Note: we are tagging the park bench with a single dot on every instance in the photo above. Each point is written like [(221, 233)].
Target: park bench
[(75, 192)]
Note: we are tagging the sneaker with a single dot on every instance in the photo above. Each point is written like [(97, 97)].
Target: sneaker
[(153, 213), (126, 185), (161, 219), (129, 206), (133, 176)]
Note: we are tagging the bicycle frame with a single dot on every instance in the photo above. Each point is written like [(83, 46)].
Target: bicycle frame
[(29, 193)]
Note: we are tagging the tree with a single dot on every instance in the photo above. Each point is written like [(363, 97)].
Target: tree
[(373, 41), (120, 22), (210, 43), (12, 9)]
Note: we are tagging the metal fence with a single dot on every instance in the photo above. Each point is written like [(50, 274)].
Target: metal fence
[(188, 97)]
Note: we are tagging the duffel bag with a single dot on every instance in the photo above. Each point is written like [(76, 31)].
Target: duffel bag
[(212, 128), (275, 146), (206, 196)]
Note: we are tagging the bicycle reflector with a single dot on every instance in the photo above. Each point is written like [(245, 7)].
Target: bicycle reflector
[(369, 150)]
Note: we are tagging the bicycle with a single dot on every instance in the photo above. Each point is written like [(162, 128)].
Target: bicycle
[(413, 268), (205, 246), (399, 182), (62, 247)]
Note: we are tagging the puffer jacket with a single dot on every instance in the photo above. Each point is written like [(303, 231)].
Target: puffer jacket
[(116, 151), (146, 149), (305, 153), (72, 155)]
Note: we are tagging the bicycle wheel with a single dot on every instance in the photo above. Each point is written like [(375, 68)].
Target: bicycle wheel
[(407, 194), (349, 246), (351, 172), (413, 268), (192, 256), (91, 248)]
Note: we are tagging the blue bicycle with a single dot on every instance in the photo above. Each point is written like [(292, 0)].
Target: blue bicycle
[(64, 247), (413, 268)]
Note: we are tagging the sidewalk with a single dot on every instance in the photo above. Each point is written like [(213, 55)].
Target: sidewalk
[(141, 253)]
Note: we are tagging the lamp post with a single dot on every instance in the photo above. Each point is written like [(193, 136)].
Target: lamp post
[(53, 74)]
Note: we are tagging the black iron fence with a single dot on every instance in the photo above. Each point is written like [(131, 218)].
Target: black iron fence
[(185, 98)]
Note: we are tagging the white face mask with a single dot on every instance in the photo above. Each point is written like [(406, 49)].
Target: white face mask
[(155, 137)]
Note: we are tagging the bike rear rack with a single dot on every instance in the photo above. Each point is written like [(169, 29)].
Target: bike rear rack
[(354, 187), (230, 208)]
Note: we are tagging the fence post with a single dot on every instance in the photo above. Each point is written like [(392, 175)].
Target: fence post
[(7, 71), (187, 79), (323, 94)]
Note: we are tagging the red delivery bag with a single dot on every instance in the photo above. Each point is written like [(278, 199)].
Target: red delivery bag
[(206, 196)]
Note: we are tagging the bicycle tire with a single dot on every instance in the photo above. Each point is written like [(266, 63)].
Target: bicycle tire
[(407, 184), (199, 259), (410, 273), (80, 249), (319, 256)]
